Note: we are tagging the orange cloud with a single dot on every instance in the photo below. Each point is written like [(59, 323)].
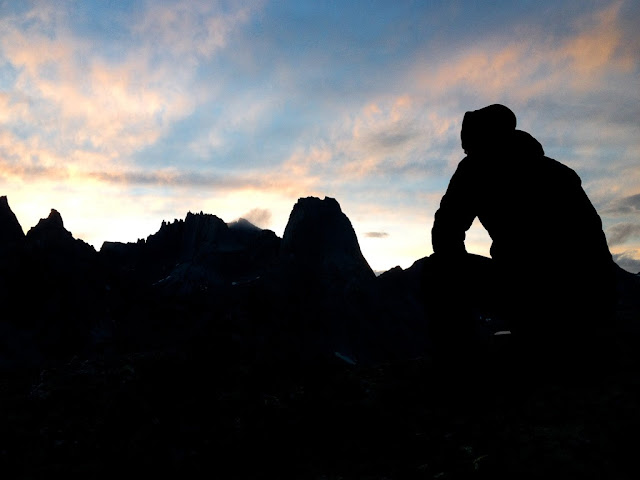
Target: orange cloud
[(599, 44), (532, 63), (90, 111), (192, 27)]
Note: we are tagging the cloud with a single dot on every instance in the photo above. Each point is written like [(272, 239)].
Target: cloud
[(620, 233), (624, 206), (598, 46), (376, 234), (628, 260), (93, 105), (393, 138), (261, 217), (277, 181), (630, 204), (194, 30), (76, 105), (529, 62)]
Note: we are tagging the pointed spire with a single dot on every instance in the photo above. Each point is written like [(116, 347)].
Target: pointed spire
[(55, 219), (10, 229)]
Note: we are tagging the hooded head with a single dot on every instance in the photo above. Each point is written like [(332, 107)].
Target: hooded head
[(487, 128)]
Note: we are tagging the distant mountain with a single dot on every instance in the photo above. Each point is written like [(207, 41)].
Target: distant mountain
[(196, 253), (202, 285), (320, 238)]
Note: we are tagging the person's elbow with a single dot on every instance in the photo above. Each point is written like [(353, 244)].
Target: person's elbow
[(446, 244)]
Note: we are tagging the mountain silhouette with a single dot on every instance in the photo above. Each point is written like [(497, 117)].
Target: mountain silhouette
[(208, 343), (311, 294), (320, 238)]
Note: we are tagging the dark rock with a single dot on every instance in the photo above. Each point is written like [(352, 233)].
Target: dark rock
[(401, 297), (244, 225), (53, 296), (329, 288), (51, 236), (196, 254), (11, 246), (10, 230), (320, 237)]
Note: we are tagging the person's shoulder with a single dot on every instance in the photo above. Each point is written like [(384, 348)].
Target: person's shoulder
[(553, 163), (525, 143), (468, 169), (560, 169), (468, 163)]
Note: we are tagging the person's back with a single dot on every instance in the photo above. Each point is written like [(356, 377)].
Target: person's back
[(533, 207), (554, 269)]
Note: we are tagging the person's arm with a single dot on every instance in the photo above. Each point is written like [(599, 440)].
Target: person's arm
[(455, 215)]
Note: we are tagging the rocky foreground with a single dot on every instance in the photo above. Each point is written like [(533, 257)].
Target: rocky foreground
[(221, 350)]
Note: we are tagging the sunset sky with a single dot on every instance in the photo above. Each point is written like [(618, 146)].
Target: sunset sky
[(121, 114)]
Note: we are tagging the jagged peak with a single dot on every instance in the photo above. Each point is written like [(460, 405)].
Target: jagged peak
[(191, 215), (53, 222), (203, 220), (50, 233), (4, 205), (55, 219), (10, 228)]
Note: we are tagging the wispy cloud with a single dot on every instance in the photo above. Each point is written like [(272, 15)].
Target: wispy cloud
[(624, 206), (618, 234), (76, 99), (598, 47), (376, 234), (192, 30), (529, 61), (260, 217)]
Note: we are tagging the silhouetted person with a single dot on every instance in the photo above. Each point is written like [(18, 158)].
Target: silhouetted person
[(551, 275)]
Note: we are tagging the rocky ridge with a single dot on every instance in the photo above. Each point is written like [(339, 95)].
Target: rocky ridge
[(312, 292), (210, 344)]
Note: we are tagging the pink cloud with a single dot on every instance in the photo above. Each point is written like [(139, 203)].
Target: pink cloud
[(83, 103), (195, 29), (529, 62), (599, 44)]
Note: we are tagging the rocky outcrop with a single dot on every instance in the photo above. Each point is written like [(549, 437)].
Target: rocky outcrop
[(11, 232), (50, 236), (196, 254), (320, 238), (11, 245)]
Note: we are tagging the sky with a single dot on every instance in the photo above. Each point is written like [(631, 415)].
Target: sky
[(122, 114)]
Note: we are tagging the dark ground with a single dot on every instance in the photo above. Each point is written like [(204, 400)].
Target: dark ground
[(191, 414), (208, 351)]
